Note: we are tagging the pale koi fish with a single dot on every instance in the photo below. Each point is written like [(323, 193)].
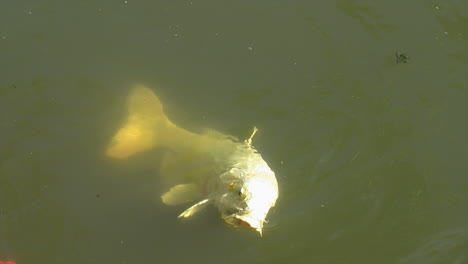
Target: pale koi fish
[(211, 167)]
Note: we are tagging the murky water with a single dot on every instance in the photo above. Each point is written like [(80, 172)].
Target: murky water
[(370, 155)]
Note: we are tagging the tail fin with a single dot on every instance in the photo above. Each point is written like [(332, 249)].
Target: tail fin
[(146, 121), (147, 126)]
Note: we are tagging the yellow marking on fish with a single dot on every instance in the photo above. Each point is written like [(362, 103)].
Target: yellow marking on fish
[(231, 187)]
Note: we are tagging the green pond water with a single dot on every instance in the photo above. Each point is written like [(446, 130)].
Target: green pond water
[(371, 155)]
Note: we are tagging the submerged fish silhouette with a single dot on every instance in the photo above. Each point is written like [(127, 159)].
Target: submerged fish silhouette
[(212, 167)]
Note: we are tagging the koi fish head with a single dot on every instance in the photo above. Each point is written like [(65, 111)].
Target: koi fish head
[(251, 192)]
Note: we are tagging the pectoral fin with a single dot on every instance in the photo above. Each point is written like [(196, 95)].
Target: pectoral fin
[(194, 208), (182, 193)]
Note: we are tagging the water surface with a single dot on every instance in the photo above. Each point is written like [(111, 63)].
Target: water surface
[(370, 155)]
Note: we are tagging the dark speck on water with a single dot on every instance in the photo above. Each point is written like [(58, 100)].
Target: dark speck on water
[(401, 57)]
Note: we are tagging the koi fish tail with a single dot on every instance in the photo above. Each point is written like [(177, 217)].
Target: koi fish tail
[(146, 126)]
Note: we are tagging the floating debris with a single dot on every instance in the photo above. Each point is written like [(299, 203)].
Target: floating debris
[(401, 57)]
